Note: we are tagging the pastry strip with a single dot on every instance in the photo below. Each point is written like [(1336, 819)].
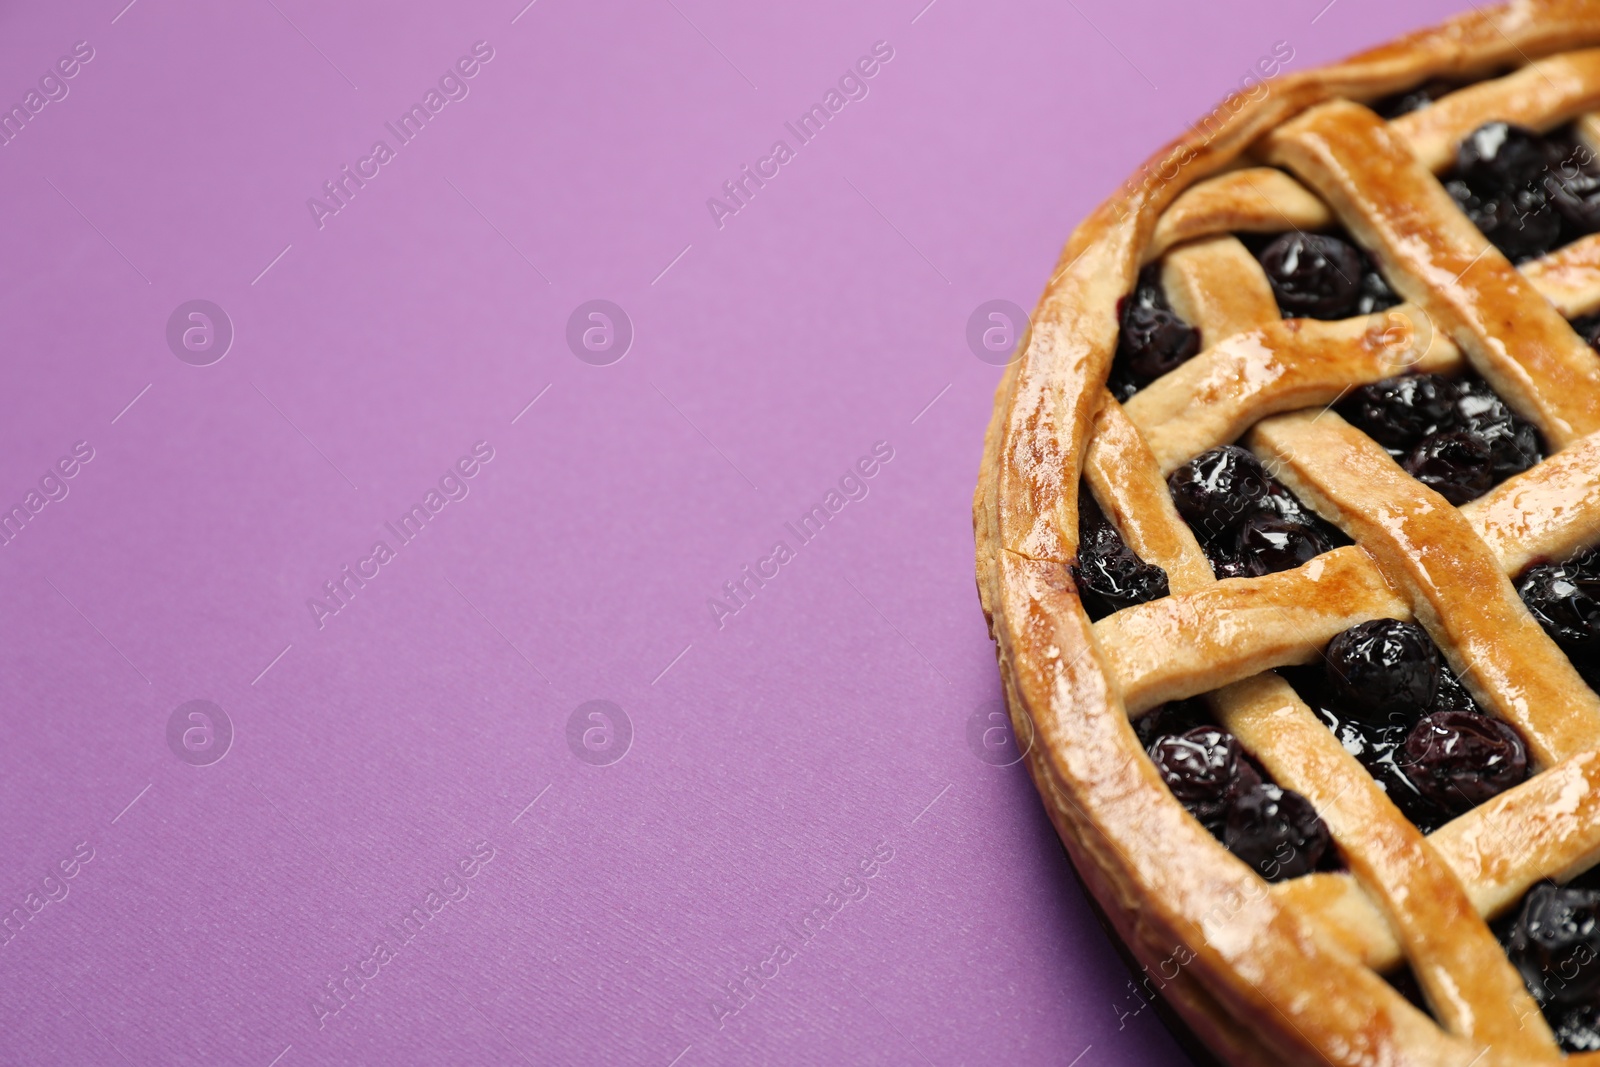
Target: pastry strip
[(1438, 260), (1429, 551), (1469, 983)]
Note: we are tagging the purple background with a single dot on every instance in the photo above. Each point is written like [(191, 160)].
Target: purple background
[(827, 716)]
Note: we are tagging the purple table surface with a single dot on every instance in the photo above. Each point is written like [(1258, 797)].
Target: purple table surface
[(777, 843)]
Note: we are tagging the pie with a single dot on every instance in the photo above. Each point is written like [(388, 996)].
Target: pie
[(1288, 536)]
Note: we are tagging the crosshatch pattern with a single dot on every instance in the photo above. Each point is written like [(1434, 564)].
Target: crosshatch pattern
[(1292, 970)]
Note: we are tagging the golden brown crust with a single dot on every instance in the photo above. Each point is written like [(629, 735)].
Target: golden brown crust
[(1437, 259), (1548, 826), (1437, 925), (1453, 581), (1188, 644), (1266, 982)]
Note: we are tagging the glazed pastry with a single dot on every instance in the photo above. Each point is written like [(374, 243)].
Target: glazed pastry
[(1287, 534)]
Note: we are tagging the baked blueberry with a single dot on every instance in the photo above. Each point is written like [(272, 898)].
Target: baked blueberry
[(1520, 222), (1109, 576), (1565, 599), (1574, 191), (1153, 339), (1450, 694), (1554, 943), (1205, 768), (1276, 831), (1578, 1030), (1268, 544), (1435, 755), (1314, 275), (1280, 503), (1459, 759), (1456, 465), (1218, 489), (1224, 564), (1375, 293), (1382, 668), (1514, 445), (1174, 717), (1499, 157), (1399, 412), (1586, 565), (1380, 748)]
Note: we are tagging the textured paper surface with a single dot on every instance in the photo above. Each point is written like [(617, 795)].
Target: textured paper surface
[(800, 812)]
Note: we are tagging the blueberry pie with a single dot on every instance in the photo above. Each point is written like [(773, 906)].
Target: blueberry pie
[(1288, 536)]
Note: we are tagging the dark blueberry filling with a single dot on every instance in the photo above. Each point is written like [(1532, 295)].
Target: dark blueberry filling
[(1313, 275), (1498, 157), (1206, 770), (1455, 435), (1247, 523), (1554, 942), (1393, 107), (1176, 717), (1322, 276), (1152, 339), (1274, 830), (1267, 544), (1399, 412), (1461, 758), (1519, 222), (1387, 695), (1383, 668), (1108, 574), (1565, 599), (1514, 445), (1457, 466), (1528, 193)]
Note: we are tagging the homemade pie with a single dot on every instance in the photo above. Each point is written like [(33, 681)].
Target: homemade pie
[(1288, 535)]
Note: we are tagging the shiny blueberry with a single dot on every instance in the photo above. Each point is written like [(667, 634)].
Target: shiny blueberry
[(1217, 489), (1585, 566), (1498, 157), (1520, 223), (1205, 768), (1382, 668), (1280, 503), (1514, 445), (1380, 748), (1225, 566), (1565, 599), (1268, 544), (1379, 742), (1578, 1030), (1555, 945), (1375, 293), (1574, 189), (1450, 694), (1153, 339), (1174, 717), (1314, 275), (1457, 466), (1109, 576), (1276, 831), (1399, 412), (1458, 759)]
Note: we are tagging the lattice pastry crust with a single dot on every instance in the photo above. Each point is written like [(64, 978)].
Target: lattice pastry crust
[(1289, 972)]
